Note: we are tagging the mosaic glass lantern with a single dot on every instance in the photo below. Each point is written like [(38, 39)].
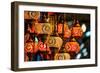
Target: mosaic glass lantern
[(41, 46), (55, 42), (60, 28), (29, 47), (72, 46), (67, 31), (43, 28), (62, 56), (34, 15), (60, 24), (77, 31)]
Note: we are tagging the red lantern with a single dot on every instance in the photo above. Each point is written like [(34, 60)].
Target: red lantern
[(72, 46), (41, 46), (29, 47), (77, 31)]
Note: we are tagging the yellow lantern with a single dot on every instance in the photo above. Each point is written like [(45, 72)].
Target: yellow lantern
[(62, 56)]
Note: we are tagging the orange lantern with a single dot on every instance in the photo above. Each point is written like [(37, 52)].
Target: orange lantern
[(72, 46), (77, 31), (60, 28), (67, 31), (29, 47)]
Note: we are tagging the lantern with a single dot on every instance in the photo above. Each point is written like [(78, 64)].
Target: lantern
[(55, 42), (34, 15), (62, 56), (72, 46), (41, 46), (77, 31), (43, 28), (29, 47), (67, 31), (60, 28), (47, 28)]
